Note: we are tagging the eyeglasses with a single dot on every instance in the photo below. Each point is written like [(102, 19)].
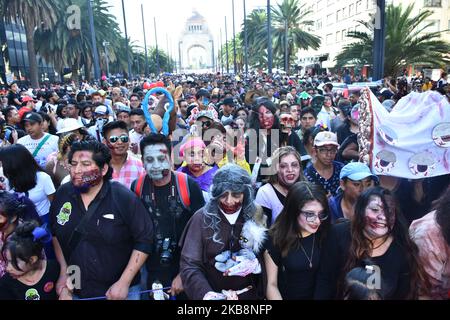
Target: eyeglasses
[(311, 216), (114, 139), (327, 151)]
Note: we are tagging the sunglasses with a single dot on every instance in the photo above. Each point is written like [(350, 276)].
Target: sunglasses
[(114, 139)]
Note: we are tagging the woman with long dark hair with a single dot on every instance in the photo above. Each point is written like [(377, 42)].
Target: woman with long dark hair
[(432, 236), (378, 233), (25, 176), (295, 243)]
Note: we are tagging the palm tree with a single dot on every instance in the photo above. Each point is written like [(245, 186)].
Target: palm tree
[(407, 42), (239, 53), (34, 14), (257, 38), (73, 48), (289, 14)]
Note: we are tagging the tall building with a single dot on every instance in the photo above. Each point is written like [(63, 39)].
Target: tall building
[(335, 18), (14, 55)]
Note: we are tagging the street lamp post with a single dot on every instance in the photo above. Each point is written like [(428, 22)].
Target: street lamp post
[(234, 41), (105, 45), (157, 51), (226, 45), (212, 55), (379, 40), (286, 47), (269, 39), (126, 40), (221, 51), (245, 41), (94, 42), (179, 56), (145, 42)]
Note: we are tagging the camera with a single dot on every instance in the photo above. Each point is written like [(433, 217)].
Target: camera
[(166, 248)]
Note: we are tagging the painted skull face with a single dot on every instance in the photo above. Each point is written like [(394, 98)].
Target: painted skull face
[(388, 135), (441, 135), (385, 161), (422, 164), (287, 123), (156, 161)]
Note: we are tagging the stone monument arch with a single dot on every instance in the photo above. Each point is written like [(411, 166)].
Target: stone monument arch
[(196, 46)]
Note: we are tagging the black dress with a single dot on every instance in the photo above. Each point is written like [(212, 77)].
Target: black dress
[(296, 278)]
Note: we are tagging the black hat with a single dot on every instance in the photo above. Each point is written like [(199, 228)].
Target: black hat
[(33, 117), (229, 102), (202, 93)]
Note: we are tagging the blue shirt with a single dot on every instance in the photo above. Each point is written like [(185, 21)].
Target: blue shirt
[(330, 185)]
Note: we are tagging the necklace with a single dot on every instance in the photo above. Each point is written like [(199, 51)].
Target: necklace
[(312, 252)]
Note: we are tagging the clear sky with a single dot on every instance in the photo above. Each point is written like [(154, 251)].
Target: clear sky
[(171, 16)]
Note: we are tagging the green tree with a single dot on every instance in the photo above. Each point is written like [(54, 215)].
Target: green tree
[(73, 48), (34, 14), (289, 14), (407, 42), (257, 38)]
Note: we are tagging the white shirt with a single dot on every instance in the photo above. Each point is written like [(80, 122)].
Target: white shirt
[(50, 146), (232, 218), (135, 138), (44, 187)]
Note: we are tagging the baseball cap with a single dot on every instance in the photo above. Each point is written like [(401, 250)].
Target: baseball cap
[(33, 117), (356, 171), (228, 102), (27, 98), (120, 107), (205, 114), (101, 110), (325, 138)]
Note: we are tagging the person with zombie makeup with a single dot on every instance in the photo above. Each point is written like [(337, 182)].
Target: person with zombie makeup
[(126, 168), (215, 230), (99, 226), (288, 170), (263, 136), (292, 257), (287, 135), (171, 198), (193, 153), (377, 237)]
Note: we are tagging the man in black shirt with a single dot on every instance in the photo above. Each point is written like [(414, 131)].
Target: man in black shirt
[(171, 199), (100, 227), (14, 96)]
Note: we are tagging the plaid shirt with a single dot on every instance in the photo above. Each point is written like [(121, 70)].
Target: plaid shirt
[(130, 171)]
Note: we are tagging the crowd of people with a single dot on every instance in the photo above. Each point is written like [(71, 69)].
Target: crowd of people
[(256, 191)]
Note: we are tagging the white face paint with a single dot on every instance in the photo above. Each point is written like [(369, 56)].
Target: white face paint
[(156, 161)]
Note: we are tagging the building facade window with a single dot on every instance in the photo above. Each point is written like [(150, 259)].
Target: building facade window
[(344, 34), (432, 3), (330, 19), (338, 36), (434, 26), (330, 38)]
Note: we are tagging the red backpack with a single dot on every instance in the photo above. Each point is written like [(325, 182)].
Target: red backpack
[(181, 181)]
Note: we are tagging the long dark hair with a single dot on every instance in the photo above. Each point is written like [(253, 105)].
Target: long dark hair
[(23, 244), (285, 231), (361, 246), (19, 167), (254, 117), (442, 207)]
